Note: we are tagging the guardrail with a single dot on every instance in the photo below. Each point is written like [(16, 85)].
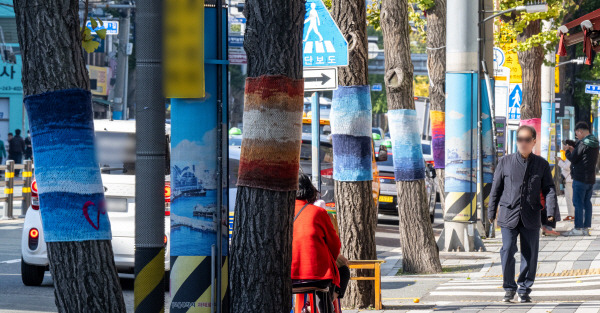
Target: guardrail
[(10, 182)]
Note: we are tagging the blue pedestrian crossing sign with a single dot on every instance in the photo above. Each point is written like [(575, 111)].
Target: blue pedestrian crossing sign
[(514, 103), (323, 43)]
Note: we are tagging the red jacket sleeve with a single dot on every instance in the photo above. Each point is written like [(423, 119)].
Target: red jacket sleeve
[(331, 238)]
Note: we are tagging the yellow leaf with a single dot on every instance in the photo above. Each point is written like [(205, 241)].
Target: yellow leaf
[(90, 46), (94, 23), (101, 33)]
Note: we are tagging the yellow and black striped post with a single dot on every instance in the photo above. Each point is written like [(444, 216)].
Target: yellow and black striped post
[(460, 206), (26, 190), (9, 178), (192, 286), (149, 286)]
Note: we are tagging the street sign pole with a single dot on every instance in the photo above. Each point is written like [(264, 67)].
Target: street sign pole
[(316, 140)]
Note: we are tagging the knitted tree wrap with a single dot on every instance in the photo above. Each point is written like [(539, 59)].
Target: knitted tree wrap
[(438, 142), (351, 122), (70, 187), (406, 145), (536, 123), (270, 155)]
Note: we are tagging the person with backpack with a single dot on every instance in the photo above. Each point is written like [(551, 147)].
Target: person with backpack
[(519, 179)]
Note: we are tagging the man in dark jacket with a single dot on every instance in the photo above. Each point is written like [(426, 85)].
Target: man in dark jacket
[(583, 157), (518, 181), (16, 148)]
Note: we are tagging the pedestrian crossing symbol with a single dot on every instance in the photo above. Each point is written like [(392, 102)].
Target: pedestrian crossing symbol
[(323, 42), (514, 103)]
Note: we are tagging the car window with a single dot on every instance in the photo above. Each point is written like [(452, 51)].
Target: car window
[(116, 153), (323, 129), (326, 152)]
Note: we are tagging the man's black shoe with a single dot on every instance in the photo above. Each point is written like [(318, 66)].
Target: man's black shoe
[(525, 298), (509, 296)]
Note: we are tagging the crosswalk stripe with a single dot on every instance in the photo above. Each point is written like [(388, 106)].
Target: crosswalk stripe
[(589, 307), (537, 280), (319, 47), (543, 308), (536, 286), (308, 47), (534, 293), (329, 47)]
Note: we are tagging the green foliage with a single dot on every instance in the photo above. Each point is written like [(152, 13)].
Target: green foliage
[(586, 74), (378, 98), (373, 12), (421, 86), (87, 39), (513, 24), (327, 4)]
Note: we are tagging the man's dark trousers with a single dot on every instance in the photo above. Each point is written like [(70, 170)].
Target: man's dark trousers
[(530, 242), (582, 201)]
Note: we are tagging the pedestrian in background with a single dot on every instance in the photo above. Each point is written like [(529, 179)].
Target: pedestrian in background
[(16, 149), (2, 151), (28, 148), (565, 169), (519, 180), (583, 157)]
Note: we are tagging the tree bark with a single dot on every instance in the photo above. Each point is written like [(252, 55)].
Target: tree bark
[(357, 221), (351, 16), (84, 273), (261, 252), (531, 65), (357, 215), (419, 250), (436, 65)]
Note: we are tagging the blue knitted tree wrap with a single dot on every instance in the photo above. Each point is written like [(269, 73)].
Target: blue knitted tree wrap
[(68, 177), (351, 133), (406, 145)]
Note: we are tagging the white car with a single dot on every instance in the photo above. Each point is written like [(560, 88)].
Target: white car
[(115, 142)]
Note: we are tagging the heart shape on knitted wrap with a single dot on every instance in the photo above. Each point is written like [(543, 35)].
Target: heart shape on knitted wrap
[(101, 210)]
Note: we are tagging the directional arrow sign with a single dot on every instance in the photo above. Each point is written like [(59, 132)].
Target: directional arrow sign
[(320, 78)]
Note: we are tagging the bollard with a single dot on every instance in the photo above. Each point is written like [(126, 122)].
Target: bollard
[(26, 190), (9, 178)]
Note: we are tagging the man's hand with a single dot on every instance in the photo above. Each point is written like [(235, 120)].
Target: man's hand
[(491, 220), (550, 218)]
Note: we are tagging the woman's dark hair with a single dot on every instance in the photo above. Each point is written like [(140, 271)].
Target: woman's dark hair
[(570, 142), (306, 190)]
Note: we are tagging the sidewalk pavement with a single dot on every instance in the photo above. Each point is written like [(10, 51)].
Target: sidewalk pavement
[(568, 278)]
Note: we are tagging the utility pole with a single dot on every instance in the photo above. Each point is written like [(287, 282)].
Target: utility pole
[(462, 49), (150, 161), (122, 63)]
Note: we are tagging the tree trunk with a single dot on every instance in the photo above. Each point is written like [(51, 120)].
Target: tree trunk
[(436, 54), (357, 215), (84, 277), (419, 250), (84, 273), (531, 65), (261, 252), (436, 65)]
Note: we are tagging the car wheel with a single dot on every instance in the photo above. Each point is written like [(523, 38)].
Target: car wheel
[(32, 275)]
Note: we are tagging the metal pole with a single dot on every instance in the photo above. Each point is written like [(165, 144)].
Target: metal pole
[(150, 161), (26, 189), (9, 176), (316, 140), (479, 122), (122, 57), (219, 228)]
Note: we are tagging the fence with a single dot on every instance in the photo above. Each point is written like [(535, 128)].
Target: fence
[(10, 182)]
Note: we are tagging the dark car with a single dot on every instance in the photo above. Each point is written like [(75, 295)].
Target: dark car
[(388, 199)]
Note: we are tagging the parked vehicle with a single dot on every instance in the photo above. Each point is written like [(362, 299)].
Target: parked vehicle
[(115, 142)]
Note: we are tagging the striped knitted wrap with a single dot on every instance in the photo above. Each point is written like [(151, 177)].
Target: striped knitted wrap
[(406, 145), (69, 183), (536, 123), (438, 140), (270, 155), (351, 133)]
